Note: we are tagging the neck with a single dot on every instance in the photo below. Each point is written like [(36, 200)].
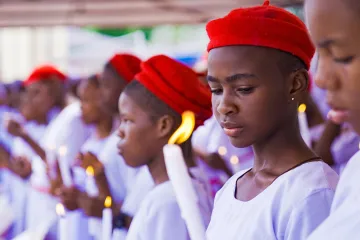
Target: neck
[(157, 169), (104, 127), (282, 150), (41, 120)]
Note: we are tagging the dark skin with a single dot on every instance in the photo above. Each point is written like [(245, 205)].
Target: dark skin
[(252, 100), (333, 26), (111, 86), (92, 113)]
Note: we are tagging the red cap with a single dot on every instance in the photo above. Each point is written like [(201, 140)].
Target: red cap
[(264, 26), (176, 85), (43, 73), (126, 65)]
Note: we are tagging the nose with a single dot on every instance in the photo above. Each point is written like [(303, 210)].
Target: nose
[(226, 104), (325, 76), (120, 132)]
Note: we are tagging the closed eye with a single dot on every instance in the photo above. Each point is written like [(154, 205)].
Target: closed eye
[(216, 91), (344, 60), (246, 90)]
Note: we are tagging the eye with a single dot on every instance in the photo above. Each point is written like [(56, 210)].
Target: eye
[(344, 60), (216, 91), (246, 90)]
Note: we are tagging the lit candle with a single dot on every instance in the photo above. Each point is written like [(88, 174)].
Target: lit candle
[(107, 220), (63, 233), (64, 167), (303, 124), (92, 190), (181, 180), (222, 151)]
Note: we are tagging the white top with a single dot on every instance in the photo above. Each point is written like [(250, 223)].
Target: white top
[(290, 208), (159, 216), (344, 220)]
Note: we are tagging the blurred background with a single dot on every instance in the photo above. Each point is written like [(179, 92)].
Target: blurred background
[(78, 36)]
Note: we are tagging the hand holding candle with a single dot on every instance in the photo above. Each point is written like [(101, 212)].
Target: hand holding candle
[(91, 190), (181, 180)]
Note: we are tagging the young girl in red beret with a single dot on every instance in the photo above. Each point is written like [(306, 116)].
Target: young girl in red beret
[(334, 28), (258, 62), (150, 110)]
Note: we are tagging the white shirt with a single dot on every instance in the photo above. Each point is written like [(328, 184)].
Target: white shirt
[(344, 219), (290, 208), (159, 216)]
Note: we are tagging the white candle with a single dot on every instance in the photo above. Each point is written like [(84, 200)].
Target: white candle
[(64, 167), (181, 180), (303, 124), (63, 233), (92, 190), (107, 220), (51, 160), (184, 191)]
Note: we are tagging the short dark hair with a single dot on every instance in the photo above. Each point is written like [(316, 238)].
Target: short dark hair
[(155, 107), (289, 63)]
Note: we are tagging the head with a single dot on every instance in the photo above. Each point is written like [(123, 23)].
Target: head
[(146, 125), (117, 73), (151, 106), (90, 98), (257, 73), (44, 90), (334, 28)]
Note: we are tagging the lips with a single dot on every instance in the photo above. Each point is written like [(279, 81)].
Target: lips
[(337, 114), (231, 129)]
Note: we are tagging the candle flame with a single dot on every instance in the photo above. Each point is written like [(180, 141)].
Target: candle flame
[(234, 160), (90, 171), (62, 151), (222, 151), (302, 108), (185, 130), (108, 202), (60, 210)]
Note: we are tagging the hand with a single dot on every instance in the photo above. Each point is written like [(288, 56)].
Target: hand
[(4, 157), (89, 159), (54, 175), (15, 129), (69, 197), (92, 206), (21, 166)]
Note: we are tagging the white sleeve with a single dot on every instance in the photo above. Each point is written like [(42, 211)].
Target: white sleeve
[(309, 214), (165, 223)]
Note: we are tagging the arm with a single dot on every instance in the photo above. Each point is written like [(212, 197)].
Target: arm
[(309, 214), (323, 146), (213, 160)]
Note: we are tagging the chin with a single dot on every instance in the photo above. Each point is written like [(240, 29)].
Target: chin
[(240, 142)]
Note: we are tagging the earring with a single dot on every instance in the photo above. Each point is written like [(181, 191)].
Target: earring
[(292, 99)]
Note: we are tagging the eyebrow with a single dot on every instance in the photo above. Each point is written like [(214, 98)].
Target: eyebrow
[(325, 43), (238, 76)]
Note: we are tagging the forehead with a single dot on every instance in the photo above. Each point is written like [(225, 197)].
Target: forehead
[(128, 106), (331, 20), (227, 61)]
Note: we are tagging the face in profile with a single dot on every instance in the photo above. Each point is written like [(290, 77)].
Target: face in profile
[(137, 132), (90, 96), (334, 28)]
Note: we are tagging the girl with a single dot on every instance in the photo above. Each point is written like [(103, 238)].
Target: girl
[(334, 28), (258, 61)]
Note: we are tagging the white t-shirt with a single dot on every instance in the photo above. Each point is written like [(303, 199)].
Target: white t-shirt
[(290, 208), (159, 216), (344, 219)]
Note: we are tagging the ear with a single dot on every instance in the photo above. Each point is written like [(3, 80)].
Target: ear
[(299, 83), (164, 126)]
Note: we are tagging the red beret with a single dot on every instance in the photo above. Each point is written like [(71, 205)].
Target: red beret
[(177, 86), (125, 65), (264, 26), (45, 72)]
